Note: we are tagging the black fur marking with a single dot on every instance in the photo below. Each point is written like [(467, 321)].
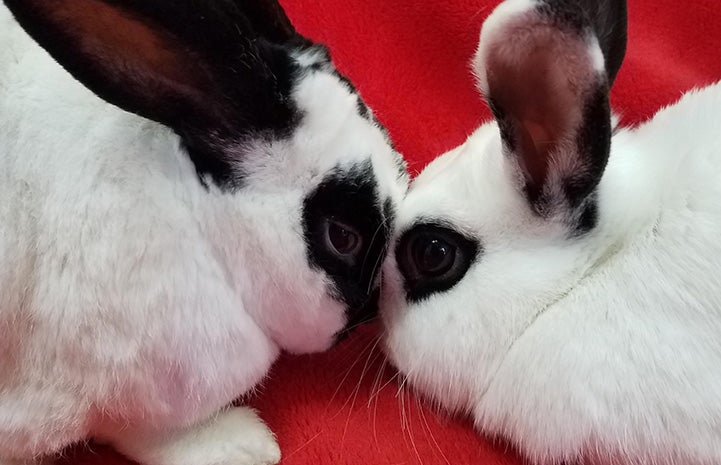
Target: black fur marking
[(593, 145), (389, 211), (268, 19), (219, 80), (588, 217), (351, 196), (208, 163), (417, 287), (608, 19)]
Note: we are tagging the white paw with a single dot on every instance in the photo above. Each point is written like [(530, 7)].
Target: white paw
[(233, 437)]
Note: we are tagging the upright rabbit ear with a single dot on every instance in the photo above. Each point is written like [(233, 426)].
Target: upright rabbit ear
[(545, 68), (194, 66)]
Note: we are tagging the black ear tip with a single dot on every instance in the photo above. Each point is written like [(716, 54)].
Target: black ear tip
[(545, 68), (609, 21)]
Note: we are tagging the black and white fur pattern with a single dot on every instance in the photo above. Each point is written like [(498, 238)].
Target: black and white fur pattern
[(555, 280), (161, 244)]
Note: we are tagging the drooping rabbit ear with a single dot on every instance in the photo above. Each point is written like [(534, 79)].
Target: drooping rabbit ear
[(545, 68), (193, 66)]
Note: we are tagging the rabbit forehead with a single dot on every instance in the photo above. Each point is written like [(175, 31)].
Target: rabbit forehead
[(469, 188), (334, 131)]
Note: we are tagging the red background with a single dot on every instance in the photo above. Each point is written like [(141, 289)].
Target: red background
[(409, 59)]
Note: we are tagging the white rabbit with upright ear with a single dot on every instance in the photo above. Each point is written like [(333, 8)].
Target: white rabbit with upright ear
[(558, 282), (186, 189)]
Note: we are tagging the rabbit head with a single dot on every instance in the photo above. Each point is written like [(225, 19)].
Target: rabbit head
[(495, 231), (299, 181)]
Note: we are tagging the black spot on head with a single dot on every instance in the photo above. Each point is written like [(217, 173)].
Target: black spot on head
[(587, 218), (349, 195), (420, 246), (260, 120)]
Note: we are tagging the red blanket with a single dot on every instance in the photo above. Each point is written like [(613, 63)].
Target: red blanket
[(409, 59)]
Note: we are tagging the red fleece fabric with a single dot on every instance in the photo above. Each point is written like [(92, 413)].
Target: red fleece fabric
[(409, 60)]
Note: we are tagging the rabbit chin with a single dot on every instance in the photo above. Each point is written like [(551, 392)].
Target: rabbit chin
[(318, 337)]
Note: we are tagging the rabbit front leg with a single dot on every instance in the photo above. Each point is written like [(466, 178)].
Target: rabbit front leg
[(234, 436)]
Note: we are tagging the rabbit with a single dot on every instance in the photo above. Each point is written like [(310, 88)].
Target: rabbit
[(186, 190), (558, 279)]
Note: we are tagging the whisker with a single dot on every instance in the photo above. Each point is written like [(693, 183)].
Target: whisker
[(360, 323), (430, 432), (371, 344), (375, 391), (402, 385), (358, 386), (303, 446), (375, 269), (410, 433), (376, 394), (375, 388), (368, 251), (403, 408)]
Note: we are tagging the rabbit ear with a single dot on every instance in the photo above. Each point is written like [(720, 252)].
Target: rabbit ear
[(546, 74), (268, 19), (190, 65), (609, 23)]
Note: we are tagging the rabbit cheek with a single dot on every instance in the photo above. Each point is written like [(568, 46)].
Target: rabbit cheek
[(347, 226)]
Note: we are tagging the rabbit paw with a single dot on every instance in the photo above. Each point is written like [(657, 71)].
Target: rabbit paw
[(233, 437)]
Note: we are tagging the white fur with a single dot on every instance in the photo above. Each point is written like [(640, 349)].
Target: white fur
[(129, 294), (605, 348), (498, 18), (233, 437)]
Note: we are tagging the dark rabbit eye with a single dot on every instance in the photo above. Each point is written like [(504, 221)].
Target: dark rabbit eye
[(433, 258), (342, 239)]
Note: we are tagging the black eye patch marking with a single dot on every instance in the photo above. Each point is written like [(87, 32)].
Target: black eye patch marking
[(433, 257), (349, 196)]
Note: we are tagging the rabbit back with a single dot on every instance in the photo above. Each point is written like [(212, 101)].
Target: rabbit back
[(104, 266), (630, 355)]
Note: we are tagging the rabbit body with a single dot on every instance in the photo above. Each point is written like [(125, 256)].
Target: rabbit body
[(582, 330), (138, 298), (112, 266), (623, 358)]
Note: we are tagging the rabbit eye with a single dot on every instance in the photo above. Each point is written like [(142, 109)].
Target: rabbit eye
[(341, 239), (433, 258)]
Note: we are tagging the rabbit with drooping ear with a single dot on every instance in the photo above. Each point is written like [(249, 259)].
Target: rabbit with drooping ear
[(558, 281), (186, 189)]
